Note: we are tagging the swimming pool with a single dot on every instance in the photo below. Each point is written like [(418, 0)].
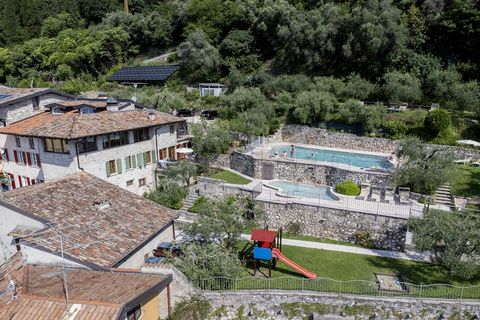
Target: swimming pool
[(360, 160), (302, 190)]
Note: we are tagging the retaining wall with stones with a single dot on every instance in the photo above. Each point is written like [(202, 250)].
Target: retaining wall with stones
[(322, 137), (282, 305), (304, 172), (386, 232)]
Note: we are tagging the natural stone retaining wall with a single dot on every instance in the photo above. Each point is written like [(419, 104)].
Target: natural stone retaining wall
[(322, 137), (282, 305), (304, 172), (215, 189), (386, 232)]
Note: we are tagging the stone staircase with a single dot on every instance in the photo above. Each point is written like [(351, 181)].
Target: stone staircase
[(444, 196), (184, 215)]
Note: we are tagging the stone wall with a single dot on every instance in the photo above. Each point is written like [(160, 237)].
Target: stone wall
[(282, 305), (304, 172), (322, 137), (386, 232), (214, 189)]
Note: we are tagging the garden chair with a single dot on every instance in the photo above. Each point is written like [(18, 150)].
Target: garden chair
[(404, 194), (364, 191), (376, 193), (403, 107), (389, 195), (434, 106)]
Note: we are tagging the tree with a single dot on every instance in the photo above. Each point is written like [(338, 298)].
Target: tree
[(52, 26), (355, 87), (204, 261), (210, 140), (200, 60), (440, 86), (168, 193), (425, 169), (437, 121), (401, 87), (453, 239), (224, 220), (312, 107), (182, 171), (371, 117)]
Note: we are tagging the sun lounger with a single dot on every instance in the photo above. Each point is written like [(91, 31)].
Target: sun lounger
[(404, 194), (402, 107), (463, 161), (389, 195), (434, 106), (476, 163), (364, 191), (376, 193)]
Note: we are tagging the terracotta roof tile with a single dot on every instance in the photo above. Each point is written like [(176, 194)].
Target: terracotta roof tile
[(96, 295), (74, 125), (101, 223)]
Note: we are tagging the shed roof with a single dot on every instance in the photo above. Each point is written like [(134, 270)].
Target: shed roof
[(263, 235)]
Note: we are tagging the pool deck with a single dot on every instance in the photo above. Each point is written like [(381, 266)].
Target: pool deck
[(263, 152)]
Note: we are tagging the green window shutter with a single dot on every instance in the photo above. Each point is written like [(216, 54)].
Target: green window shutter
[(107, 168), (139, 160), (154, 156), (119, 165), (134, 161), (127, 163), (145, 159)]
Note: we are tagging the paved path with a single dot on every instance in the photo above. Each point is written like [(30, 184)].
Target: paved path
[(424, 257)]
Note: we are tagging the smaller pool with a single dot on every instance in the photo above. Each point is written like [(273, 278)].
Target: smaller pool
[(292, 189)]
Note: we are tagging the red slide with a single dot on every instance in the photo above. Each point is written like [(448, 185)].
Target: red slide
[(277, 254)]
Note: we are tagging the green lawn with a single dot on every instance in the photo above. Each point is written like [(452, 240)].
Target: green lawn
[(466, 181), (228, 177), (349, 266), (287, 235)]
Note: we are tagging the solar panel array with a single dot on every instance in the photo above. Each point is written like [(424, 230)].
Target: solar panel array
[(144, 73), (3, 96)]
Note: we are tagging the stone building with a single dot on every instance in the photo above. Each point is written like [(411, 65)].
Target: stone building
[(113, 140)]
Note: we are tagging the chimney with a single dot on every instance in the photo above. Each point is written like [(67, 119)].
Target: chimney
[(151, 116)]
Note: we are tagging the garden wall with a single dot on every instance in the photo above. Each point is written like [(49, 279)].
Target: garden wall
[(386, 232), (304, 172), (322, 137)]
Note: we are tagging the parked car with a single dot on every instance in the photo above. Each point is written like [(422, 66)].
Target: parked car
[(184, 113), (209, 114)]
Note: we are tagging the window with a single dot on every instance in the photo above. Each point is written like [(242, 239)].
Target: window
[(20, 157), (17, 141), (142, 182), (35, 103), (141, 135), (87, 145), (31, 142), (135, 313), (172, 129), (113, 167), (114, 139), (148, 157), (86, 110), (208, 92), (162, 154), (56, 145), (130, 162), (129, 183), (33, 159)]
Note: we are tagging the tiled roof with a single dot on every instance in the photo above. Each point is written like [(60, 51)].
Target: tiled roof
[(144, 73), (100, 222), (95, 294), (10, 95), (73, 125)]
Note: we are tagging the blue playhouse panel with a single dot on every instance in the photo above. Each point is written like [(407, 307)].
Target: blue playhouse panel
[(262, 253)]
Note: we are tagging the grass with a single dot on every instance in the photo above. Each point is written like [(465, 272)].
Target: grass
[(349, 266), (228, 177), (466, 181), (287, 235)]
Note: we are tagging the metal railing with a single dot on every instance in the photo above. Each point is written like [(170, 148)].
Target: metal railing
[(353, 287)]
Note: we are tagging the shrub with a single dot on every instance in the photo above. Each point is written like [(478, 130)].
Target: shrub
[(194, 308), (197, 204), (363, 238), (437, 121), (396, 129), (168, 194), (348, 188), (294, 228)]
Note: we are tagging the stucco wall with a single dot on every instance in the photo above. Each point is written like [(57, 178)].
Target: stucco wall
[(10, 219), (151, 309), (138, 258), (36, 256)]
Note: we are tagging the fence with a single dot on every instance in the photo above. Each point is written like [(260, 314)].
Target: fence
[(353, 287)]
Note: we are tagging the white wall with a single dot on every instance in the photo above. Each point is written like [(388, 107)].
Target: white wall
[(57, 165), (137, 260), (10, 219), (36, 256)]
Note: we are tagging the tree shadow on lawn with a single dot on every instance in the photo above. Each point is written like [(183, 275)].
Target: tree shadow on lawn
[(276, 271), (419, 272)]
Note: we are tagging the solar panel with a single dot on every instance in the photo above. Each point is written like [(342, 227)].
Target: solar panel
[(144, 73), (3, 96)]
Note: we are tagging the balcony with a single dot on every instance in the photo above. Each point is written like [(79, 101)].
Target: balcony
[(183, 134)]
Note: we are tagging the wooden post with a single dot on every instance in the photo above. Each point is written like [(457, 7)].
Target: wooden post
[(169, 301)]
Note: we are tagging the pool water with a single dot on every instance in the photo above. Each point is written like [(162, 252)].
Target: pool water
[(302, 190), (360, 160)]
